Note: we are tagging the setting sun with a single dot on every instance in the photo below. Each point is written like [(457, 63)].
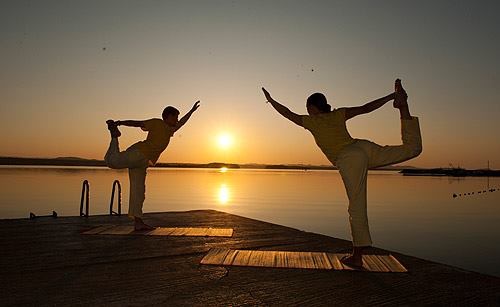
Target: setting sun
[(224, 141)]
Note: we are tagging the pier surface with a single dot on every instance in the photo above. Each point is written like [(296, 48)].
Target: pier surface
[(48, 262)]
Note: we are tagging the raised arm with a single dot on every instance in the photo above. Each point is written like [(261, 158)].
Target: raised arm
[(130, 123), (367, 107), (186, 117), (296, 118)]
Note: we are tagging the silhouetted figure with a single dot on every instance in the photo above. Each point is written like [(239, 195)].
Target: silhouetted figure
[(353, 157), (142, 154)]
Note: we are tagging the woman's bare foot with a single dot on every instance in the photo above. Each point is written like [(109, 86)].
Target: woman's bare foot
[(401, 98), (113, 128), (352, 261), (139, 225), (355, 259)]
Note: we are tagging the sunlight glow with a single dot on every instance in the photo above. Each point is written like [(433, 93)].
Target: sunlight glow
[(224, 141), (223, 195), (223, 169)]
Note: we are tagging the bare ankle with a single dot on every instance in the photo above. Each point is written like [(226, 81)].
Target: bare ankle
[(404, 113), (359, 250)]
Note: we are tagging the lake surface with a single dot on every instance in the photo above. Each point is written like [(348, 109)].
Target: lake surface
[(412, 215)]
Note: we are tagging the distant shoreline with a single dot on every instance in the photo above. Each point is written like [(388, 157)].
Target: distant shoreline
[(451, 172), (73, 161), (404, 170)]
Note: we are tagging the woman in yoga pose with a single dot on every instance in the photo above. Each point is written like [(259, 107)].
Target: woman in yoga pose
[(353, 157), (138, 157)]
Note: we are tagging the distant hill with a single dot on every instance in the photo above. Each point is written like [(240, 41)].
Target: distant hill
[(61, 161), (73, 158), (76, 161), (315, 167)]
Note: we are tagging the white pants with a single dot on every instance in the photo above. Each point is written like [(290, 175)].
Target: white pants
[(137, 164), (353, 163)]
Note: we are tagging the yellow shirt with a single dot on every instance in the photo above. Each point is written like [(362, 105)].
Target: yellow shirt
[(159, 134), (329, 131)]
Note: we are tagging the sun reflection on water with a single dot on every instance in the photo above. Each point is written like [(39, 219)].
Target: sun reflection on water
[(224, 194)]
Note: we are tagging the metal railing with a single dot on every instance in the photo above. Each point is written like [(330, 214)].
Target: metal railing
[(85, 196), (111, 212)]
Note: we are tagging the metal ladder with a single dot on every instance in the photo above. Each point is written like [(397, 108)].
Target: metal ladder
[(111, 212), (85, 193), (85, 198)]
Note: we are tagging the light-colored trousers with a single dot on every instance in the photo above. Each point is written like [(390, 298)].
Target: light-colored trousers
[(353, 163), (137, 164)]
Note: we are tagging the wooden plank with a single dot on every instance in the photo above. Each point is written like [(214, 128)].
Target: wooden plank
[(97, 230), (258, 258), (220, 232), (269, 258), (179, 231), (161, 231), (393, 264), (302, 260), (197, 232), (231, 255), (279, 259), (387, 261), (369, 264), (118, 230), (215, 256), (72, 269), (336, 263), (242, 258), (321, 261), (381, 267)]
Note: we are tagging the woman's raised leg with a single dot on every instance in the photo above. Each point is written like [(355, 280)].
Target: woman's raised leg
[(410, 135)]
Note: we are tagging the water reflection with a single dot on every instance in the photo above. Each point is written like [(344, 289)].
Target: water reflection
[(223, 194), (412, 215)]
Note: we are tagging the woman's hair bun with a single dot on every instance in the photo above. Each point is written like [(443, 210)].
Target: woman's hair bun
[(319, 101)]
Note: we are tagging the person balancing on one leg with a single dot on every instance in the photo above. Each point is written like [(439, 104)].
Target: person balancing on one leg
[(353, 157), (138, 157)]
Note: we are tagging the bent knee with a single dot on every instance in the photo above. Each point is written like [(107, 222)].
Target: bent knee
[(110, 161), (110, 164), (357, 213), (416, 151)]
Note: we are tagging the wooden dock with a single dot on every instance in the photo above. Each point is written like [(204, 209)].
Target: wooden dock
[(47, 262)]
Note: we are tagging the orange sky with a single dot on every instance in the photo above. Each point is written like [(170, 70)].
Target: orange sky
[(58, 85)]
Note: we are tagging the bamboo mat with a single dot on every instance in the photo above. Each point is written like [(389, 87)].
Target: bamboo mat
[(161, 231), (302, 260)]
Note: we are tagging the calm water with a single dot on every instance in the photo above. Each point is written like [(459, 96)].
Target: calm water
[(411, 215)]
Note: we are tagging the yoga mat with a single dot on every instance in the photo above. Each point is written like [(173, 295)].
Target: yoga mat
[(161, 231), (298, 260)]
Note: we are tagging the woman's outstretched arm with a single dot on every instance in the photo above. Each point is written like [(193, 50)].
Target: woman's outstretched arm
[(367, 107), (186, 117), (130, 123), (296, 118)]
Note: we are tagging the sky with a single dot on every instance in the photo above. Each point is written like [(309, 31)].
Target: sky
[(67, 66)]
